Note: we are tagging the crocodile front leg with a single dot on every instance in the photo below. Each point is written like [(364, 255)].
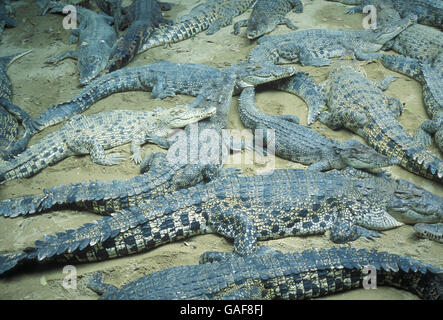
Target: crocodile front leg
[(426, 130), (238, 25), (68, 54), (238, 226), (96, 150)]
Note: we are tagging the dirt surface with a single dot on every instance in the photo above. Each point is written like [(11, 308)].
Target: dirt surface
[(38, 85)]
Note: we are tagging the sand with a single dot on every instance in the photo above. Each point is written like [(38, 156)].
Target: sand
[(38, 85)]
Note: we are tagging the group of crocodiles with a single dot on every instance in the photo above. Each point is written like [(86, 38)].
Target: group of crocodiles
[(342, 191)]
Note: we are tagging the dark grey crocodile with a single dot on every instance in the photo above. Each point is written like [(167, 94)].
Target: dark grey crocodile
[(359, 104), (429, 231), (112, 8), (144, 16), (95, 39), (316, 46), (106, 197), (274, 275), (429, 12), (10, 113), (302, 144), (285, 203), (163, 79), (211, 16), (432, 82), (7, 18), (96, 133), (266, 15), (303, 85)]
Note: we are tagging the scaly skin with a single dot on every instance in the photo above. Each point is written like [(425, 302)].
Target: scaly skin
[(316, 46), (9, 113), (144, 17), (211, 16), (432, 83), (429, 231), (112, 8), (7, 18), (96, 133), (429, 12), (285, 203), (274, 275), (163, 79), (372, 115), (107, 197), (266, 15), (304, 145), (95, 39)]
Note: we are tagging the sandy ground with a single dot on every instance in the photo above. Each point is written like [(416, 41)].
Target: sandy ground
[(37, 85)]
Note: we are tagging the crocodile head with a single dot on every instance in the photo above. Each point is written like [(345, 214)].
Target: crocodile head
[(412, 204), (181, 116), (358, 155), (388, 32), (250, 74), (90, 67)]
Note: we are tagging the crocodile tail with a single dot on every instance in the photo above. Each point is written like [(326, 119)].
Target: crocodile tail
[(383, 268), (117, 81), (175, 33), (47, 151), (404, 65), (6, 61), (410, 274), (127, 48)]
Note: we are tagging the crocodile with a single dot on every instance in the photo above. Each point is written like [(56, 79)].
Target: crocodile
[(428, 12), (211, 16), (145, 17), (163, 79), (316, 46), (159, 177), (287, 202), (432, 84), (269, 275), (163, 175), (302, 144), (96, 133), (9, 113), (112, 8), (359, 104), (7, 18), (429, 231), (266, 15), (95, 38)]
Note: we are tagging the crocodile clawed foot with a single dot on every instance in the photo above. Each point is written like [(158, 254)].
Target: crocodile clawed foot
[(114, 158)]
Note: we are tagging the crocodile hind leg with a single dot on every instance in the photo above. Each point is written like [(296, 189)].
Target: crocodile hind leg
[(68, 54), (395, 106), (238, 226), (96, 150)]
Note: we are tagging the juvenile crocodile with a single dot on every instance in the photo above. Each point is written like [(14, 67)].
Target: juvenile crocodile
[(211, 16), (432, 84), (145, 17), (429, 12), (359, 104), (96, 133), (9, 113), (260, 207), (95, 39), (302, 144), (316, 46), (429, 231), (274, 275), (106, 197), (7, 18), (266, 15), (303, 85), (163, 79), (164, 175)]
